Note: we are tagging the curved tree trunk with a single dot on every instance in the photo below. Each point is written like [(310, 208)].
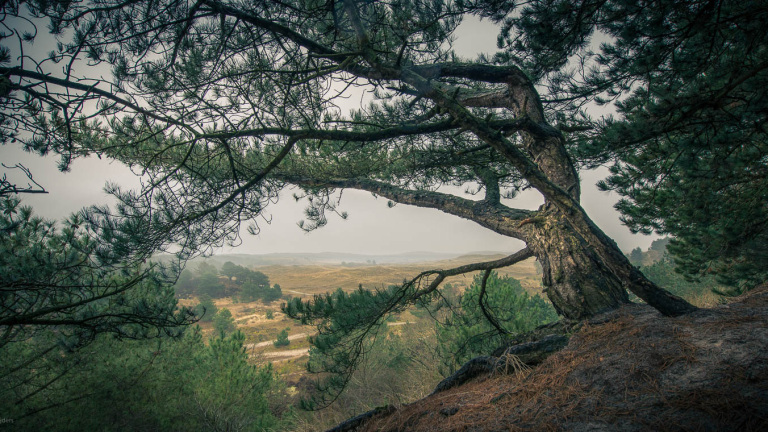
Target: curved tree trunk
[(574, 279), (585, 272)]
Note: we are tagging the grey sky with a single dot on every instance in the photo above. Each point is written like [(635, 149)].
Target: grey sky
[(371, 228)]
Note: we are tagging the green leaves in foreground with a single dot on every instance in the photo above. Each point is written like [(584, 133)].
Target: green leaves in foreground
[(467, 332), (64, 276), (61, 288), (166, 384), (349, 324)]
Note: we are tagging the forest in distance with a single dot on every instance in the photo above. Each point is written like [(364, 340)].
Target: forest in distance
[(121, 315)]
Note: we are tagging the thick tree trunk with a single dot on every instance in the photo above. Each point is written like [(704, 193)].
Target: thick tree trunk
[(574, 279)]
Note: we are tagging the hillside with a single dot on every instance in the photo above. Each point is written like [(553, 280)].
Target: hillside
[(333, 258), (312, 278), (631, 370)]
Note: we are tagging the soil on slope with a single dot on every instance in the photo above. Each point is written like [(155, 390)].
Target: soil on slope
[(637, 371)]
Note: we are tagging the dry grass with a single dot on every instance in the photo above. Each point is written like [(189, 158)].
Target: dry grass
[(307, 280)]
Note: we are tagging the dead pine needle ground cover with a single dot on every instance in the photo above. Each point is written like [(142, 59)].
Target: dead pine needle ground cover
[(637, 371)]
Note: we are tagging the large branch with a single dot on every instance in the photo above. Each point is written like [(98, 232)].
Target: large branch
[(496, 217), (257, 21), (385, 133), (511, 75)]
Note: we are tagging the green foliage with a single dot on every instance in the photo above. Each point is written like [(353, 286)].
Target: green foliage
[(347, 324), (270, 314), (272, 294), (252, 292), (243, 285), (64, 277), (282, 339), (636, 256), (223, 322), (205, 268), (467, 332), (660, 245), (701, 292), (398, 368), (185, 285), (167, 384), (689, 145), (210, 285), (230, 269), (206, 309), (61, 288)]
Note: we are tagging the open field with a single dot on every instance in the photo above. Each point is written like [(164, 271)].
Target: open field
[(308, 280), (317, 278)]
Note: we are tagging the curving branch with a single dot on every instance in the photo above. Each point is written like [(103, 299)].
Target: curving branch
[(7, 188), (507, 261), (297, 38), (494, 216), (481, 301)]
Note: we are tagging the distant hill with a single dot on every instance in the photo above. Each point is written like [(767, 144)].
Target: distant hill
[(314, 273), (331, 258)]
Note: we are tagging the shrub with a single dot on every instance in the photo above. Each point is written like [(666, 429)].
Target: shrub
[(282, 339), (206, 309), (223, 322), (467, 332)]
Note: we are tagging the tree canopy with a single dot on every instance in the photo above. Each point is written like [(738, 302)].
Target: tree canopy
[(220, 105), (688, 148)]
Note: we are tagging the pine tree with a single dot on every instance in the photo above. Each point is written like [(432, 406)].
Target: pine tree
[(63, 286), (282, 339), (222, 105), (223, 322), (236, 105), (636, 256)]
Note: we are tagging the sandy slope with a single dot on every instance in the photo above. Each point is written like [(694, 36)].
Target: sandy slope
[(638, 371)]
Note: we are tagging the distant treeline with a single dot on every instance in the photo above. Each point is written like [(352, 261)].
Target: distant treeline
[(659, 266), (231, 281)]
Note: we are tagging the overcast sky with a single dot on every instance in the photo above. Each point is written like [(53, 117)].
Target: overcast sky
[(372, 227)]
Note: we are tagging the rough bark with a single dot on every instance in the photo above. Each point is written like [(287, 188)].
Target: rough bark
[(355, 422), (471, 369), (535, 352), (574, 279)]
